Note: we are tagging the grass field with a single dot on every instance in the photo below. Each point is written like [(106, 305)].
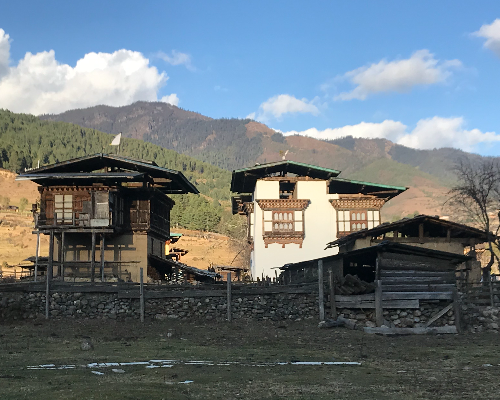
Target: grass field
[(406, 367)]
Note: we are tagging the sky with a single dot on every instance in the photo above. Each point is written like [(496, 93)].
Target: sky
[(423, 74)]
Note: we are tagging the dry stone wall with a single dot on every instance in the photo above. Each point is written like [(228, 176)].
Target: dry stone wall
[(278, 306)]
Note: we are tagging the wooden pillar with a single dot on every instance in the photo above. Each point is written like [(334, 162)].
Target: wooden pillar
[(333, 304), (421, 232), (379, 310), (37, 254), (229, 316), (63, 255), (321, 295), (141, 293), (102, 257), (92, 258), (48, 276), (457, 311)]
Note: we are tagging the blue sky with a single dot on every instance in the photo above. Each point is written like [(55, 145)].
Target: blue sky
[(425, 74)]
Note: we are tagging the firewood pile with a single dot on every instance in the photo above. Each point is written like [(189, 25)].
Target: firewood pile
[(351, 284)]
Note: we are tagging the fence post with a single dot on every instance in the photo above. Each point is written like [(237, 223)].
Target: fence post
[(379, 310), (102, 257), (321, 295), (92, 258), (48, 275), (141, 294), (37, 252), (229, 316), (492, 298), (333, 305)]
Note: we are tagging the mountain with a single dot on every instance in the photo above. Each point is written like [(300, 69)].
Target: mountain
[(237, 143)]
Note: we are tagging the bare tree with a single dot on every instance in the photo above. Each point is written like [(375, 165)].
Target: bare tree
[(477, 195)]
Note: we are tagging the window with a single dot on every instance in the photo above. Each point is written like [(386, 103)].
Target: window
[(283, 221), (287, 222), (356, 220), (287, 190), (343, 220), (63, 207)]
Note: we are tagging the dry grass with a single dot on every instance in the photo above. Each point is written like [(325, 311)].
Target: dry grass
[(418, 367)]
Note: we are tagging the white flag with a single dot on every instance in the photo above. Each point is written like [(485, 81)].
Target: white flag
[(116, 140)]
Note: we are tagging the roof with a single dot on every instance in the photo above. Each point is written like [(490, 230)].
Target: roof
[(123, 169), (348, 186), (391, 247), (244, 179), (434, 226)]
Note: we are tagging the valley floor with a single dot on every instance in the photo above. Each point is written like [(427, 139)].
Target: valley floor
[(242, 360)]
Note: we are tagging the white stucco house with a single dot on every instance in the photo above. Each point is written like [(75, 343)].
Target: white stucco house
[(295, 209)]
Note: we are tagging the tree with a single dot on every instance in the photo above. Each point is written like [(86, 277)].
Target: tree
[(477, 195), (23, 203)]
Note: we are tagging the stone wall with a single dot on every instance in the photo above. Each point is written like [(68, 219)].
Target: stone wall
[(402, 318), (277, 306)]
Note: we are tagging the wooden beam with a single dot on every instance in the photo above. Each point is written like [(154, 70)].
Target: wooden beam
[(421, 232), (141, 292), (48, 276), (438, 315), (457, 311), (92, 258), (228, 298), (37, 254), (412, 331), (379, 317), (417, 295), (333, 305), (63, 255), (102, 257), (321, 295)]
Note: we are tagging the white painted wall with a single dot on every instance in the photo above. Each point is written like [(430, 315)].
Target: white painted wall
[(320, 228)]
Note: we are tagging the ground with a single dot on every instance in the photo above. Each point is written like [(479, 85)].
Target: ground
[(409, 367)]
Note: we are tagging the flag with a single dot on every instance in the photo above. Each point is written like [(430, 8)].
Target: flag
[(116, 140)]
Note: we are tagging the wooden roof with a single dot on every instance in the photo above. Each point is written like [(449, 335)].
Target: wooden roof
[(433, 226), (110, 168)]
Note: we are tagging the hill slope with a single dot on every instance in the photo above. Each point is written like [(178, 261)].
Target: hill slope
[(233, 143)]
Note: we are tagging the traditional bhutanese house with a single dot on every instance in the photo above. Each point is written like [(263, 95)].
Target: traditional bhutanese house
[(293, 207), (109, 213), (421, 231)]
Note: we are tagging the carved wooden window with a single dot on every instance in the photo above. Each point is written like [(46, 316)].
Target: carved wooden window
[(63, 207), (343, 218), (287, 222), (373, 218)]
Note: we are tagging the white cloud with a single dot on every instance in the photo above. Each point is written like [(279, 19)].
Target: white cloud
[(396, 76), (4, 53), (171, 99), (492, 35), (428, 133), (39, 84), (446, 132), (277, 106), (177, 58)]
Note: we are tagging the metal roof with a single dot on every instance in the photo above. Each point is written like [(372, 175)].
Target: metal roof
[(172, 181), (244, 179), (410, 226)]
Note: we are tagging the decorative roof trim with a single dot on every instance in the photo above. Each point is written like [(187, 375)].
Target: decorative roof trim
[(283, 204), (365, 202)]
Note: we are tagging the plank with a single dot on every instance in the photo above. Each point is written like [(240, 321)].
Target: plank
[(416, 279), (438, 287), (412, 331), (417, 295), (392, 304), (438, 315), (416, 273)]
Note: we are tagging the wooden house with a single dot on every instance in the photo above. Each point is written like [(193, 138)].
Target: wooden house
[(107, 216), (293, 209)]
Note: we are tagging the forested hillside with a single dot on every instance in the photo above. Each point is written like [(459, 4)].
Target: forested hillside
[(25, 140), (221, 142)]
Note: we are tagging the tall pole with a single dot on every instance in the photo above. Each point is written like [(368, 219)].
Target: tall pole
[(48, 276), (229, 316), (102, 257), (92, 258)]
